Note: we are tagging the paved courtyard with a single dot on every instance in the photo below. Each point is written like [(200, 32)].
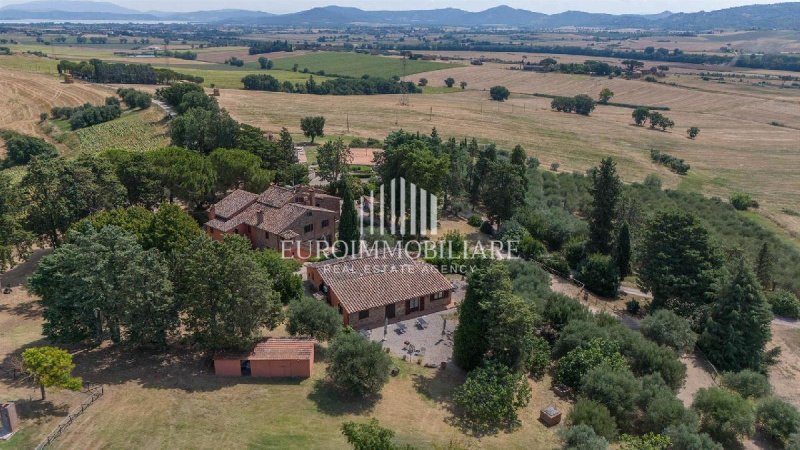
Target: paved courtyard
[(433, 344)]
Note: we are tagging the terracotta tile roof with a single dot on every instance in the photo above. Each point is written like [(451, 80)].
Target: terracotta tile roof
[(233, 203), (276, 196), (364, 282), (283, 348), (275, 348)]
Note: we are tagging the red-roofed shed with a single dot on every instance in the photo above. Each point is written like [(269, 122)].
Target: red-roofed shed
[(275, 357)]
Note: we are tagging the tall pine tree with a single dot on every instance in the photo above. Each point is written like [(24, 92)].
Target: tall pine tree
[(738, 328), (605, 191), (623, 251), (764, 265), (348, 224)]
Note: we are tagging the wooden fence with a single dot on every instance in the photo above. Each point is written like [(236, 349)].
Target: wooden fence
[(95, 392)]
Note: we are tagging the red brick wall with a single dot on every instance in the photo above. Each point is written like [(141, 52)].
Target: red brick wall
[(228, 367)]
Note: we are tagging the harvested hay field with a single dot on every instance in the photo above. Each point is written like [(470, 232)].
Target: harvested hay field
[(26, 95), (737, 150)]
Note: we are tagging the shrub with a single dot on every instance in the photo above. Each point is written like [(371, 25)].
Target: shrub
[(724, 414), (633, 307), (21, 148), (559, 310), (686, 437), (742, 201), (475, 220), (748, 383), (584, 104), (491, 396), (599, 273), (311, 317), (498, 93), (368, 436), (784, 303), (578, 362), (677, 165), (582, 437), (487, 228), (539, 358), (614, 387), (777, 419), (692, 132), (530, 248), (357, 366), (594, 415), (664, 327), (650, 441), (661, 408)]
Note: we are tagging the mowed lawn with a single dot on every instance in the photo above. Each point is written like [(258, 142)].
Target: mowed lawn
[(356, 64)]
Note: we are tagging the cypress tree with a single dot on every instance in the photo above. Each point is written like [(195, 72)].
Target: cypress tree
[(738, 328), (623, 251), (764, 264), (348, 223), (470, 339), (605, 191)]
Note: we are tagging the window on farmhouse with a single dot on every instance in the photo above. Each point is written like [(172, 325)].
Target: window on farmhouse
[(438, 295), (308, 228), (325, 223), (363, 314), (414, 304)]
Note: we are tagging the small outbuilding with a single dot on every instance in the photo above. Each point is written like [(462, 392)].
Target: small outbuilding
[(277, 357)]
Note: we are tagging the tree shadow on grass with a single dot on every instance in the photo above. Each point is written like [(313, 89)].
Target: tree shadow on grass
[(40, 409), (333, 402)]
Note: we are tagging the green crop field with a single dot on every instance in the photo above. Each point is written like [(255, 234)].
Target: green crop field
[(226, 77), (135, 130), (356, 65)]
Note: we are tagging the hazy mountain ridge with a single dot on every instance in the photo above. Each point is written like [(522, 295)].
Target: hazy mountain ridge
[(780, 15)]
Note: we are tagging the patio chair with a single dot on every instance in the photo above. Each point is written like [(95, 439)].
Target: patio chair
[(422, 323)]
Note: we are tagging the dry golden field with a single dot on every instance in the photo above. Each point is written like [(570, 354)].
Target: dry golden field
[(27, 94), (737, 148)]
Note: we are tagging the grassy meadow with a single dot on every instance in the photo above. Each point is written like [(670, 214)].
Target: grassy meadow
[(356, 64)]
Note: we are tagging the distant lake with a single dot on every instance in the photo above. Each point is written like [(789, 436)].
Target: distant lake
[(91, 22)]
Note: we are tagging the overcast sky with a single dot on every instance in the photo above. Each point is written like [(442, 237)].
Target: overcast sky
[(549, 7)]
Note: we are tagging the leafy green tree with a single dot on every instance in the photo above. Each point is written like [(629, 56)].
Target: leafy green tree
[(623, 252), (512, 335), (349, 232), (449, 82), (286, 144), (140, 177), (463, 85), (738, 327), (491, 395), (539, 358), (518, 156), (764, 266), (692, 132), (102, 281), (333, 159), (498, 197), (582, 437), (469, 341), (594, 415), (631, 64), (605, 190), (311, 317), (640, 115), (677, 262), (600, 275), (499, 93), (748, 383), (584, 104), (170, 230), (265, 63), (664, 327), (358, 367), (784, 303), (368, 436), (313, 126), (203, 130), (724, 414), (15, 242), (572, 368), (742, 201), (20, 149), (186, 174), (50, 367), (238, 169), (777, 419), (687, 437), (660, 408), (650, 441), (283, 272), (615, 388), (60, 192), (605, 95), (226, 310)]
